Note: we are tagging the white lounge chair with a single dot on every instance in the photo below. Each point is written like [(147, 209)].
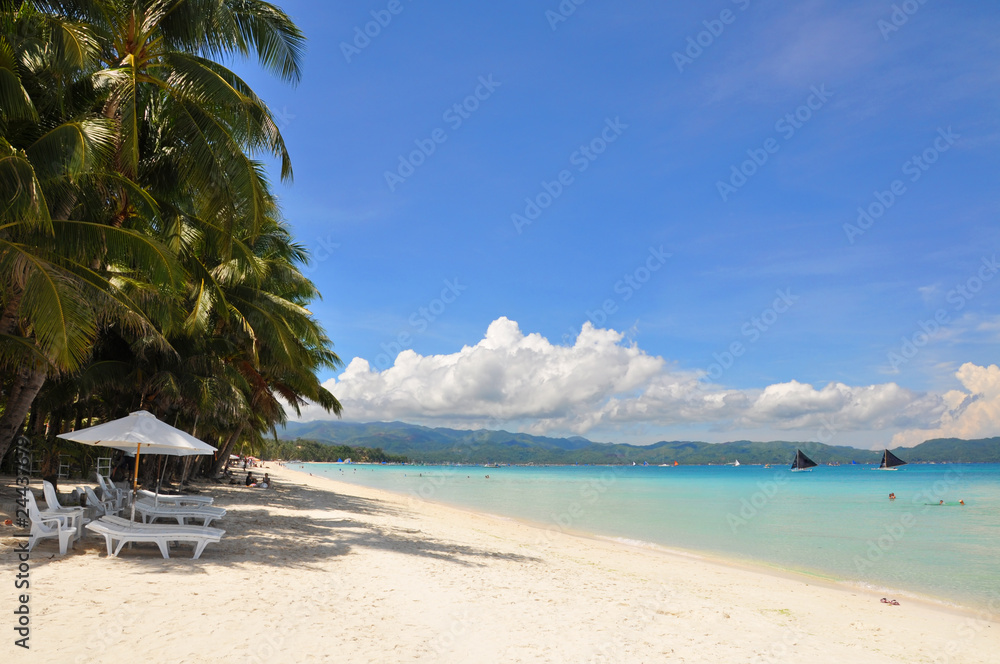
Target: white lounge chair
[(47, 524), (175, 499), (124, 531), (181, 513), (52, 500)]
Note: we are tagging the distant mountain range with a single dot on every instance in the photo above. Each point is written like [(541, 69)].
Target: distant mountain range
[(439, 445)]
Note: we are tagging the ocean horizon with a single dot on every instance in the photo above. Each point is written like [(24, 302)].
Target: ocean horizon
[(832, 522)]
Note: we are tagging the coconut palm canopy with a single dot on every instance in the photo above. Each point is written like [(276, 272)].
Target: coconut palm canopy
[(144, 261)]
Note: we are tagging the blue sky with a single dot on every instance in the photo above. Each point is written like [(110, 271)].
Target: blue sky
[(698, 170)]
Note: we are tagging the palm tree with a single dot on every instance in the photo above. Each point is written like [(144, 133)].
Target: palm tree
[(142, 137), (163, 91), (61, 266), (250, 353), (256, 302)]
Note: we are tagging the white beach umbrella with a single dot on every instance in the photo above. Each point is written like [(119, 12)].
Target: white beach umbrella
[(140, 433)]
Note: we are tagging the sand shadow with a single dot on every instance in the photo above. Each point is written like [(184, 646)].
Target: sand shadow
[(257, 535)]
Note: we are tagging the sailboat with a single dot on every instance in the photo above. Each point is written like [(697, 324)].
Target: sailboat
[(736, 463), (890, 461), (802, 462)]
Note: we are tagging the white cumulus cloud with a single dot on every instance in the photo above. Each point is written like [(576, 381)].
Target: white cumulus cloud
[(795, 405), (507, 376), (523, 382), (972, 413)]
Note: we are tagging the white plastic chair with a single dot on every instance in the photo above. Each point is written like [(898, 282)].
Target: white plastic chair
[(104, 465), (52, 500), (110, 491), (101, 507), (47, 524), (124, 491)]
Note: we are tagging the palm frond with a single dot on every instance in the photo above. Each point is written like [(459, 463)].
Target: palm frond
[(55, 311), (22, 199)]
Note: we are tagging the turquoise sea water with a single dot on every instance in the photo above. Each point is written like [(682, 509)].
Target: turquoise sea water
[(836, 522)]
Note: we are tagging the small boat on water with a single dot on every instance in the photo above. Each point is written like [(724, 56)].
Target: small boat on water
[(890, 461), (736, 463), (801, 462)]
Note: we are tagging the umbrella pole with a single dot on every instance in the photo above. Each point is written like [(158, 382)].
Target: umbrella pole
[(135, 480), (135, 475)]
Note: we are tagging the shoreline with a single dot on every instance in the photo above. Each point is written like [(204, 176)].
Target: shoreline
[(713, 557), (318, 570)]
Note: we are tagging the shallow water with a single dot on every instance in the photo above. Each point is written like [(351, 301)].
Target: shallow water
[(836, 522)]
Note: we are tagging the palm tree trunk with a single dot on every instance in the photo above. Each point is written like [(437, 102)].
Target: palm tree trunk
[(169, 469), (27, 383), (50, 454), (78, 422), (226, 450), (186, 469), (196, 467), (9, 317)]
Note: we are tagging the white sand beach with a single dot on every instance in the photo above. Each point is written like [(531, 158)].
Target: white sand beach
[(320, 571)]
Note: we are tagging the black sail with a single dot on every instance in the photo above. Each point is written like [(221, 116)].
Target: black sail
[(890, 460), (802, 461)]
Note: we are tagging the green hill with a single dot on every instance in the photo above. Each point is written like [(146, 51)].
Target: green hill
[(441, 445), (985, 450)]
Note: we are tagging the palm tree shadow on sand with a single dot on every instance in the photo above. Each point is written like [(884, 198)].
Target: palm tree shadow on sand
[(272, 534)]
